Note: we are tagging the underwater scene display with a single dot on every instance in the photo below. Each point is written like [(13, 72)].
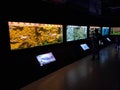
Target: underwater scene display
[(115, 31), (76, 32), (92, 30), (105, 31), (28, 35)]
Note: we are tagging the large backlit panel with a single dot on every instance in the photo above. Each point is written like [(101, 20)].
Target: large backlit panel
[(115, 31), (76, 32), (92, 30), (105, 31), (27, 35)]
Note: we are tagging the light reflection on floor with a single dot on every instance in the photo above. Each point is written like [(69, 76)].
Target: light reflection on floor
[(85, 74)]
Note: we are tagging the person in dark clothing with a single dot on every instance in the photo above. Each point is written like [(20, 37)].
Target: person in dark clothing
[(117, 41), (95, 44)]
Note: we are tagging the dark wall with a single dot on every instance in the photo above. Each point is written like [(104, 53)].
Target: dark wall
[(20, 67)]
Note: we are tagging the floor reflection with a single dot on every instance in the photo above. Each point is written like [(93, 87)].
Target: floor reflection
[(85, 74)]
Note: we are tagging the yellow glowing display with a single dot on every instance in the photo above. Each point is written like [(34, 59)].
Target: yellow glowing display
[(27, 35)]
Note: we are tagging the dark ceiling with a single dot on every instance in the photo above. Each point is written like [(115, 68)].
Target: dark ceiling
[(111, 7), (45, 8), (104, 7)]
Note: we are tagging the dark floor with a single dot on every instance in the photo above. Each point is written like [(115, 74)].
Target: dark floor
[(85, 74)]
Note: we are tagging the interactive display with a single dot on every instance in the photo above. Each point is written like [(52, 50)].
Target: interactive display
[(108, 39), (115, 31), (76, 32), (45, 58), (92, 30), (105, 31), (84, 47), (28, 35)]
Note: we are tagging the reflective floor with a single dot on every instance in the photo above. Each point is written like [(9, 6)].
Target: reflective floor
[(85, 74)]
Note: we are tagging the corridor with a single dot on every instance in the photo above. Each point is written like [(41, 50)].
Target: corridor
[(84, 74)]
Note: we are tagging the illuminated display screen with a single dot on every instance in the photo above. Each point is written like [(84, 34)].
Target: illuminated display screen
[(84, 47), (115, 31), (46, 58), (28, 35), (76, 32), (92, 30), (105, 31), (108, 39)]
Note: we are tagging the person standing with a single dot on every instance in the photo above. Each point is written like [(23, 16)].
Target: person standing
[(95, 44), (117, 40)]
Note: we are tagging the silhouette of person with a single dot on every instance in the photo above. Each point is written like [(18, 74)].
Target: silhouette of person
[(117, 40), (95, 44)]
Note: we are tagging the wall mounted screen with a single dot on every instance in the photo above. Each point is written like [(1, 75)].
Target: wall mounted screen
[(115, 31), (46, 58), (76, 32), (105, 31), (27, 35), (92, 30)]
